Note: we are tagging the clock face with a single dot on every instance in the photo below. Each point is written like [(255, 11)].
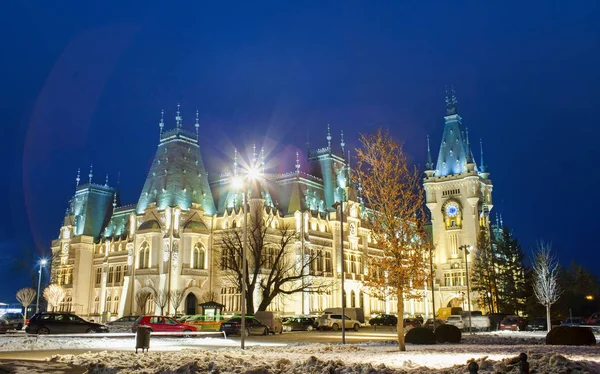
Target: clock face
[(452, 210)]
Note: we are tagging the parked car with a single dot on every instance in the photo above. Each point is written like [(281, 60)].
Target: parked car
[(540, 324), (271, 319), (594, 319), (334, 322), (4, 327), (513, 323), (477, 321), (456, 320), (162, 324), (429, 323), (384, 320), (300, 323), (495, 319), (15, 320), (233, 326), (124, 323), (410, 323), (573, 321), (61, 323)]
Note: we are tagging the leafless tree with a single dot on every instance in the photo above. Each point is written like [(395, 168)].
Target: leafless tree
[(208, 296), (275, 265), (25, 297), (161, 299), (141, 298), (54, 294), (394, 197), (176, 299), (545, 278)]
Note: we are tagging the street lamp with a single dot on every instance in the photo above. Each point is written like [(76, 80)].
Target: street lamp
[(42, 263), (340, 204), (432, 284), (466, 249), (241, 184)]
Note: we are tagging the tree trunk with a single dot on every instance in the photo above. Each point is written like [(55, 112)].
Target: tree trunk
[(400, 325), (548, 322)]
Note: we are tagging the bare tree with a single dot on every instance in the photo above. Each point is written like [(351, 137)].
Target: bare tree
[(141, 298), (394, 197), (275, 265), (25, 297), (54, 294), (545, 278), (176, 299), (208, 296), (161, 299)]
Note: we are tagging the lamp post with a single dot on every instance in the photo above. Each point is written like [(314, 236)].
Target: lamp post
[(466, 249), (42, 263), (340, 204), (432, 285)]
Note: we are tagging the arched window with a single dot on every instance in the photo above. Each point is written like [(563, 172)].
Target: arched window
[(352, 299), (96, 305), (144, 256), (149, 309), (116, 305), (198, 256), (108, 306)]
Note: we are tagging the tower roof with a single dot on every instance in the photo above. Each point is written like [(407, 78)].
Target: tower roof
[(177, 176)]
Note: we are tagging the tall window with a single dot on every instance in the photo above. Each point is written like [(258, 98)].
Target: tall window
[(98, 276), (328, 261), (144, 256), (319, 260), (111, 273), (108, 305), (69, 276), (198, 255), (116, 305), (353, 264), (360, 265), (96, 305), (352, 299), (118, 274), (346, 264)]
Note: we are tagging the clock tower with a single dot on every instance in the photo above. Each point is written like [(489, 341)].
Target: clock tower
[(459, 198)]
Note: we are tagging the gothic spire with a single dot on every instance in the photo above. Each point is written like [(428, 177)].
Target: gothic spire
[(91, 174), (451, 101), (197, 124), (469, 154), (328, 138), (429, 164), (161, 124), (78, 178), (482, 166), (178, 117)]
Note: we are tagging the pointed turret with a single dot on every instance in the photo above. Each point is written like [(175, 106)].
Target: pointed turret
[(328, 138), (451, 101), (78, 178), (470, 164), (483, 171), (429, 164), (106, 181), (452, 158)]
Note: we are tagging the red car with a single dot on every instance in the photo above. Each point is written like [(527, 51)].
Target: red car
[(513, 323), (162, 324)]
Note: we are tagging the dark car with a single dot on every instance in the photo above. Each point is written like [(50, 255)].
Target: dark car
[(513, 323), (233, 326), (540, 324), (384, 320), (573, 321), (300, 323), (429, 323), (124, 323), (411, 323), (162, 324), (61, 323), (594, 319), (495, 319), (4, 327), (15, 320)]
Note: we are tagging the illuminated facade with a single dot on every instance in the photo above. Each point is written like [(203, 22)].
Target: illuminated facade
[(459, 198)]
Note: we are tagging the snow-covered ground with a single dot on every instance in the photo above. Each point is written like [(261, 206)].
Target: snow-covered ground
[(495, 353)]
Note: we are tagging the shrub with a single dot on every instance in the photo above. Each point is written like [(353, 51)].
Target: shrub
[(447, 333), (420, 335), (570, 335)]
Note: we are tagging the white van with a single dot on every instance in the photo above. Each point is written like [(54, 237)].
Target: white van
[(357, 314), (270, 319)]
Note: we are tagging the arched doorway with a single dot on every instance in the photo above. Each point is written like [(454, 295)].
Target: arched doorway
[(455, 303), (190, 304)]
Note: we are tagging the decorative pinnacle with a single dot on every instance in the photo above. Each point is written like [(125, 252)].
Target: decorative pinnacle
[(178, 116), (114, 201), (78, 178), (161, 124), (483, 167), (297, 163), (235, 163), (469, 155), (328, 137), (343, 144), (91, 174), (429, 164), (197, 124), (451, 101), (106, 181)]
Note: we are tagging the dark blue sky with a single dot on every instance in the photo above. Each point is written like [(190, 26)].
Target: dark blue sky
[(83, 84)]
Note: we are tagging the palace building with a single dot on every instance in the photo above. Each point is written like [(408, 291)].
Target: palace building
[(106, 252)]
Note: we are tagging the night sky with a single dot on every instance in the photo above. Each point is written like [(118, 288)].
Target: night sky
[(83, 83)]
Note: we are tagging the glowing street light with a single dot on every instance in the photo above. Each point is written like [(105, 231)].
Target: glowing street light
[(42, 263), (239, 183)]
